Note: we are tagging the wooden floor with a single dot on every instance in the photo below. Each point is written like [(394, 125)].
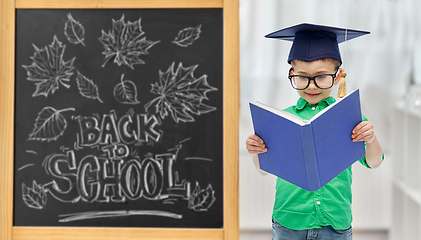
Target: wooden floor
[(357, 235)]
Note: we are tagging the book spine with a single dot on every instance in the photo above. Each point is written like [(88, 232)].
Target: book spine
[(310, 158)]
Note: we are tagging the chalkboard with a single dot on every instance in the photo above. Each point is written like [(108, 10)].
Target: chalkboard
[(119, 118)]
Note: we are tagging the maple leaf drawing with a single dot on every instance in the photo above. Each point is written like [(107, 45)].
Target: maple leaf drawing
[(201, 199), (124, 43), (35, 197), (48, 68), (180, 94)]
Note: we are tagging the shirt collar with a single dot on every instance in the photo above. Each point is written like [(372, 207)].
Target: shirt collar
[(301, 103)]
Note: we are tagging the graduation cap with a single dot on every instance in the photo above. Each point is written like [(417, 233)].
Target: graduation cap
[(312, 42)]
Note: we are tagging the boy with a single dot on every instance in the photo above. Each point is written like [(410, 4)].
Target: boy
[(325, 213)]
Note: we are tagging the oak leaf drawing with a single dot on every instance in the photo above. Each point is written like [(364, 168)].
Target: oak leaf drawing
[(201, 199), (74, 31), (125, 44), (187, 36), (181, 94), (34, 197), (48, 69), (49, 125), (87, 87)]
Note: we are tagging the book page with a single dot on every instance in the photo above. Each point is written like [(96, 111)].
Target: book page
[(329, 107), (332, 131), (282, 113)]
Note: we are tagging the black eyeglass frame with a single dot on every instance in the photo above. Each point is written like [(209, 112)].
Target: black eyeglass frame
[(311, 78)]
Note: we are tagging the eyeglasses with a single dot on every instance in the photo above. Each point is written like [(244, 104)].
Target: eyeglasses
[(324, 81)]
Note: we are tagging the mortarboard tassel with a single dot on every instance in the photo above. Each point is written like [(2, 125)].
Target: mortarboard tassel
[(342, 73), (342, 85)]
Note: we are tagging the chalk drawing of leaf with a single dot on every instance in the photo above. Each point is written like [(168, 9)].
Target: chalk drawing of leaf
[(201, 199), (74, 31), (126, 92), (34, 197), (48, 68), (187, 36), (49, 125), (87, 87), (124, 43), (180, 94)]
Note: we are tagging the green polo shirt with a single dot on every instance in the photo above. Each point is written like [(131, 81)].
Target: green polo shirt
[(299, 209)]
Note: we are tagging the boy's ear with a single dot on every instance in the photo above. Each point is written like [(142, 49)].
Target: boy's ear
[(338, 77)]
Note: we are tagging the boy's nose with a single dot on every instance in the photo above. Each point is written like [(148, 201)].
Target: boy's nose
[(312, 85)]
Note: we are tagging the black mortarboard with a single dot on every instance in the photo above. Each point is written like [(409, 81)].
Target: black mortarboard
[(312, 42)]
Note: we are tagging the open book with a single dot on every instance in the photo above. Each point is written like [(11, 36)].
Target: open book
[(309, 153)]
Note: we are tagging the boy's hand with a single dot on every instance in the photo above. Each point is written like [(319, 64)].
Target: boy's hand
[(255, 145), (364, 131)]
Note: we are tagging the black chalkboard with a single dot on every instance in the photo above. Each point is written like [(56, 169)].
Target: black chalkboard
[(118, 118)]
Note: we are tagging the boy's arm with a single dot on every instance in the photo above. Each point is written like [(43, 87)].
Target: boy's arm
[(364, 131)]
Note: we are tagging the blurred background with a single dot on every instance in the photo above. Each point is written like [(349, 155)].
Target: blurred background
[(385, 65)]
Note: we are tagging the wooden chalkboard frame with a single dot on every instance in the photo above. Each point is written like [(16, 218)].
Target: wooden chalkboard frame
[(230, 132)]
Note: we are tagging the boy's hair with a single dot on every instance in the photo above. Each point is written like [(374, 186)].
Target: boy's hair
[(335, 61)]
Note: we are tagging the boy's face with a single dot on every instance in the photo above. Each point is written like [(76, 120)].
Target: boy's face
[(312, 94)]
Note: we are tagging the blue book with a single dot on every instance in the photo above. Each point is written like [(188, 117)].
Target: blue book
[(310, 153)]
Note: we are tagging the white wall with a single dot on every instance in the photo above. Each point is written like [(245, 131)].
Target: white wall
[(379, 64)]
